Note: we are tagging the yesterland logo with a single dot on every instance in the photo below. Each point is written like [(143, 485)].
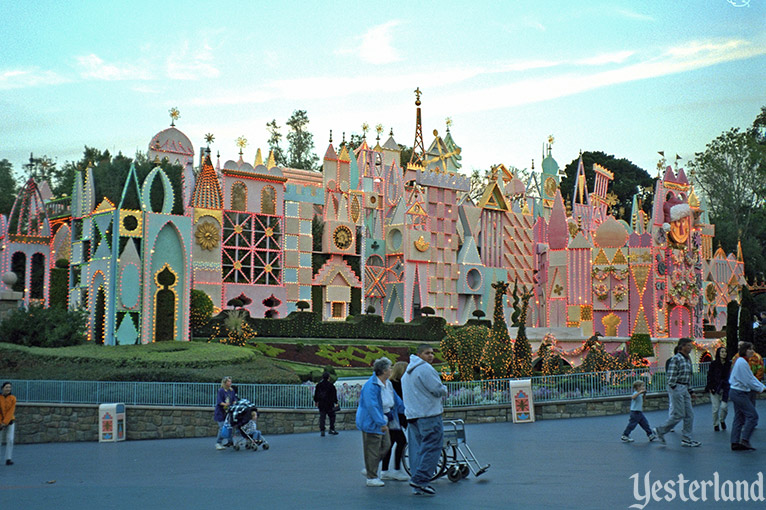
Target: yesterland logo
[(715, 489), (739, 3)]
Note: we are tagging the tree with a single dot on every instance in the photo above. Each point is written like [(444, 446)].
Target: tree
[(732, 322), (522, 351), (275, 138), (629, 180), (730, 172), (300, 143), (9, 187), (44, 169)]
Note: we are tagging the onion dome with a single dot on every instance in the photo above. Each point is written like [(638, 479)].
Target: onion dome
[(171, 143), (611, 234)]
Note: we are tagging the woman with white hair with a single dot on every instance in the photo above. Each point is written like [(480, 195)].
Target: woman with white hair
[(225, 397), (379, 406)]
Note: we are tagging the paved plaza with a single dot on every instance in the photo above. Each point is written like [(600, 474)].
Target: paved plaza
[(576, 463)]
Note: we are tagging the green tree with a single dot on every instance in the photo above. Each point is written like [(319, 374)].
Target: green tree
[(522, 350), (9, 187), (300, 149), (44, 169), (497, 356), (730, 172), (275, 139), (629, 180)]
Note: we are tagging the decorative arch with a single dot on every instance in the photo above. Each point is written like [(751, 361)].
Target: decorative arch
[(268, 200), (167, 190), (239, 196)]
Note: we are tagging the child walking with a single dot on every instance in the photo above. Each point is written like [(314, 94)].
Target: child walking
[(637, 413)]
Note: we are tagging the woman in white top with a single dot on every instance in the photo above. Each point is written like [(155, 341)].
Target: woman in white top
[(742, 382)]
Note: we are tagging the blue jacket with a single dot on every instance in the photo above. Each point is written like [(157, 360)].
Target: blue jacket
[(369, 413)]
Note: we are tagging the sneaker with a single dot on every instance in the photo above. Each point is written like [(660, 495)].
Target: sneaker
[(219, 446), (375, 482), (652, 437), (399, 475), (737, 447), (723, 425), (716, 428), (9, 462), (626, 439), (659, 435), (690, 443), (333, 432), (321, 433), (746, 444), (422, 489), (394, 475)]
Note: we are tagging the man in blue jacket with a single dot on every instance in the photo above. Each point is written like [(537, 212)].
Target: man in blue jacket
[(423, 391)]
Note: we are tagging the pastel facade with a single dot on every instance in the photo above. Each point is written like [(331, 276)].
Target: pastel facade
[(395, 239)]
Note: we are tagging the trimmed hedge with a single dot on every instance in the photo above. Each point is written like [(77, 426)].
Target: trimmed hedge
[(308, 325), (641, 345)]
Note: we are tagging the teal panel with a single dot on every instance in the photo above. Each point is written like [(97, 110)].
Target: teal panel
[(305, 226), (304, 292), (291, 209), (126, 333), (305, 260), (291, 242), (130, 286), (291, 275)]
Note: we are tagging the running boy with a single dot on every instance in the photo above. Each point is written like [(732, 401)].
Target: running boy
[(637, 413)]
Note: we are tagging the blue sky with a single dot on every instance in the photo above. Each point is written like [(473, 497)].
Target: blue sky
[(628, 78)]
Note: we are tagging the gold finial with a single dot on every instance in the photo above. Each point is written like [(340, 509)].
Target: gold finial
[(241, 143), (448, 121), (417, 96), (331, 136), (365, 128), (209, 138), (379, 130), (551, 140), (436, 133), (174, 115)]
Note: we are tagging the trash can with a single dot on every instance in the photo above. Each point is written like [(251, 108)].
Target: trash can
[(111, 420), (523, 403)]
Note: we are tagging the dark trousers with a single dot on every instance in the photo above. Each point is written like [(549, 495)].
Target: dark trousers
[(400, 440), (745, 415), (637, 418), (331, 415)]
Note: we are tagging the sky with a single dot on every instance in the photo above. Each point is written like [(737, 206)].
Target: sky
[(626, 78)]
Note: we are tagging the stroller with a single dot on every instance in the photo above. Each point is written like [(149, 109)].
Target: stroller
[(242, 429)]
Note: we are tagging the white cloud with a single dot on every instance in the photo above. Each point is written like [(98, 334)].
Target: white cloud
[(32, 77), (93, 67), (689, 57), (191, 64), (617, 57), (376, 45), (627, 13)]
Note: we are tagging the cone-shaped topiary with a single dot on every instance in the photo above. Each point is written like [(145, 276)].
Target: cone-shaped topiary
[(522, 351)]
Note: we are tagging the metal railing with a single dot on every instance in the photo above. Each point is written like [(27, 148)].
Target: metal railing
[(553, 388)]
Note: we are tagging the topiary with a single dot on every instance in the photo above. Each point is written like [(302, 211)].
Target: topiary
[(200, 309), (641, 345)]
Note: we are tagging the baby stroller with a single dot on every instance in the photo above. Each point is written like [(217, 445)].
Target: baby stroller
[(242, 429)]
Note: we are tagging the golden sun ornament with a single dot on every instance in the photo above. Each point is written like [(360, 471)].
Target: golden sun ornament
[(207, 236)]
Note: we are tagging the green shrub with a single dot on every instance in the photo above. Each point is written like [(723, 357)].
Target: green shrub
[(44, 327), (641, 345), (200, 310), (399, 320)]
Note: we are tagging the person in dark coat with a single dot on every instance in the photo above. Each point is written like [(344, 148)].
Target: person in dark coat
[(326, 398), (718, 387)]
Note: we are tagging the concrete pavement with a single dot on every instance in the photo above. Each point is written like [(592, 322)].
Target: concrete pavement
[(575, 463)]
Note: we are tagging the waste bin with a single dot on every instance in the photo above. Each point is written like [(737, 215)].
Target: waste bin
[(523, 403), (111, 420)]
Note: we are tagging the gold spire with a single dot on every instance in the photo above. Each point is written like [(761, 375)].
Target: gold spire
[(740, 258), (258, 157), (272, 162)]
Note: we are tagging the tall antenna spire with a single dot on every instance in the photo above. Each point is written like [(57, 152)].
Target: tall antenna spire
[(418, 149)]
